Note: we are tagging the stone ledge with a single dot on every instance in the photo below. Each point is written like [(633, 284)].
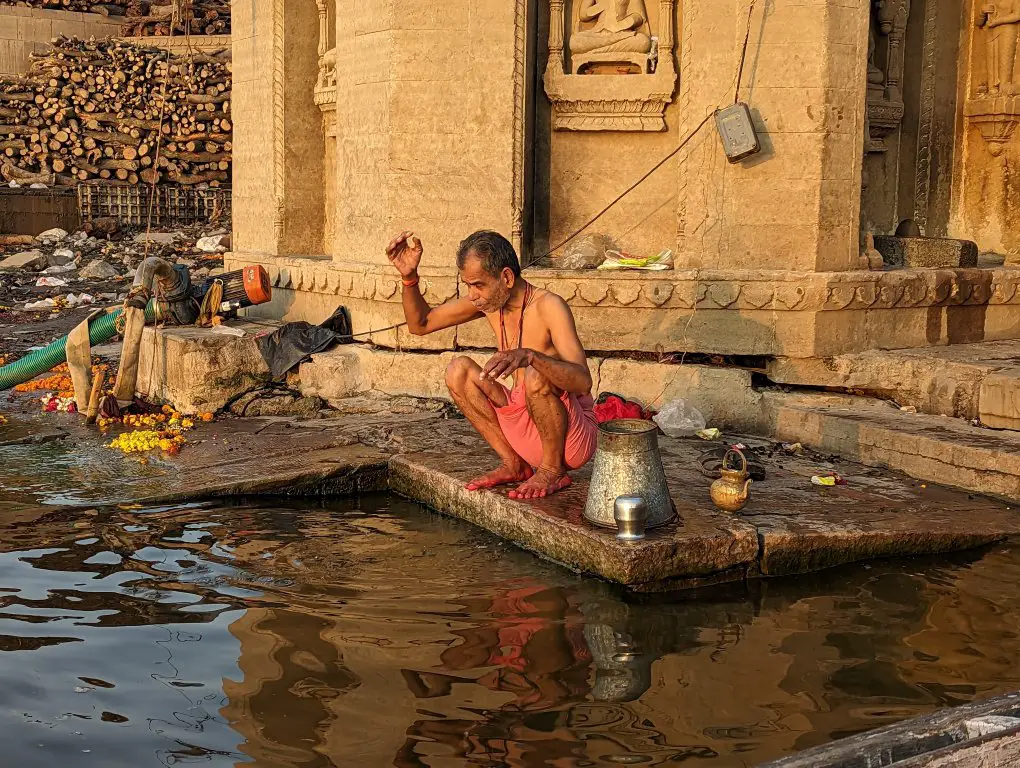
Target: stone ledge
[(737, 312), (199, 369), (724, 395), (712, 546), (931, 448), (789, 527), (949, 380)]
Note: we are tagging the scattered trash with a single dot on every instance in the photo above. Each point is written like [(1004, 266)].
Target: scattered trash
[(709, 434), (795, 448), (51, 235), (828, 480), (98, 270), (60, 257), (80, 300), (618, 260), (908, 409), (41, 304), (50, 282), (212, 243), (678, 418), (586, 252), (60, 269)]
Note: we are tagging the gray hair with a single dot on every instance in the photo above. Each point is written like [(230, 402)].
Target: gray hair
[(494, 251)]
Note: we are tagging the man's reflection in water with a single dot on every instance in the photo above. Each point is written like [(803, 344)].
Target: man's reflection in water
[(533, 648)]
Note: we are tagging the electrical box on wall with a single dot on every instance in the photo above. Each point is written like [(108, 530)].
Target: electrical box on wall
[(737, 132)]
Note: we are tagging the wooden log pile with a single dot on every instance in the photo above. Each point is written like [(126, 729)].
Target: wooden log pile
[(150, 17), (117, 113), (196, 17), (108, 8)]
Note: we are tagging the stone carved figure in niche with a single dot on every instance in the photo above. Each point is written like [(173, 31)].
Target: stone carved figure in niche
[(1001, 22), (610, 30)]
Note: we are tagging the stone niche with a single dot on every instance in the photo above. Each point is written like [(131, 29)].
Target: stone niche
[(611, 65)]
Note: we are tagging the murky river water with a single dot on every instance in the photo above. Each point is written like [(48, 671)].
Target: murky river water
[(374, 633)]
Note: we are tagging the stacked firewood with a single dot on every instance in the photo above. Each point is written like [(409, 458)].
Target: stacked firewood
[(196, 17), (150, 17), (108, 8), (115, 112)]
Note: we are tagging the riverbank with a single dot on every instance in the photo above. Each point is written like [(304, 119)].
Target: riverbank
[(791, 526)]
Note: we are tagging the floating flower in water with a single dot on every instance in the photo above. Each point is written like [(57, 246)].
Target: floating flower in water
[(3, 419)]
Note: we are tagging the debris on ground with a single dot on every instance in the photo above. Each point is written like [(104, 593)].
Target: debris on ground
[(95, 264), (830, 479)]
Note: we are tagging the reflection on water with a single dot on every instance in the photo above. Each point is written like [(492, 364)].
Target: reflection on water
[(377, 634)]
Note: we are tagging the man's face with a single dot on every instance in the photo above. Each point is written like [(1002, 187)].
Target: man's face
[(486, 292)]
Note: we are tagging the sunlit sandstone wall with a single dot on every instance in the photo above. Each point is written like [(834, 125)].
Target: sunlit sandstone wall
[(278, 139), (430, 128), (795, 206), (430, 136)]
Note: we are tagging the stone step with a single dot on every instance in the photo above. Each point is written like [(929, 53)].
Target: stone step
[(725, 396), (971, 381), (935, 448)]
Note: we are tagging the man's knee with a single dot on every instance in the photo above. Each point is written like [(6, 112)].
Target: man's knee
[(459, 372), (537, 385)]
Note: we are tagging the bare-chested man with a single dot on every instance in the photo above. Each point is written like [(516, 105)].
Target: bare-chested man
[(543, 426)]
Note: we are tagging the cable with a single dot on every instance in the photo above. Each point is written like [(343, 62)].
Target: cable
[(627, 191), (743, 53)]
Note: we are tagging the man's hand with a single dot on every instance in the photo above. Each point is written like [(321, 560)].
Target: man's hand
[(404, 253), (504, 363)]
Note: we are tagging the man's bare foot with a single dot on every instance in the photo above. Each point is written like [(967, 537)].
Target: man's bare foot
[(501, 475), (545, 482)]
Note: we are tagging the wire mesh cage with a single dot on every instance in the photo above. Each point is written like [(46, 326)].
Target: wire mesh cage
[(169, 206)]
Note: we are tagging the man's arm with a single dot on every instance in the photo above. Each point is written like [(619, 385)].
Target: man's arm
[(570, 372), (405, 252), (423, 319)]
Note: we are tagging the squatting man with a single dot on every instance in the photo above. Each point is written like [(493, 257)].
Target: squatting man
[(541, 427)]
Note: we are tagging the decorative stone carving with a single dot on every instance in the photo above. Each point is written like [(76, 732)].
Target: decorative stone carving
[(1001, 22), (885, 70), (995, 107), (611, 32), (749, 290), (612, 74), (325, 84)]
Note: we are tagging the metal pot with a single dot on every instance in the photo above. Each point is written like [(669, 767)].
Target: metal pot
[(627, 463)]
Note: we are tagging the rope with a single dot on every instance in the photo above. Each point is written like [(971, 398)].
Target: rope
[(743, 52), (627, 191)]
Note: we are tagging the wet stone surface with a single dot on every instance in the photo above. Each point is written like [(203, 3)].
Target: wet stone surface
[(790, 526)]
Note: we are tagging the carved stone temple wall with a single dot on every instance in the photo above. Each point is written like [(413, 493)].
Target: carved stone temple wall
[(989, 206), (356, 120)]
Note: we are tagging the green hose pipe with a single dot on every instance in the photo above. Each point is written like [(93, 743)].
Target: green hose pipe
[(48, 358)]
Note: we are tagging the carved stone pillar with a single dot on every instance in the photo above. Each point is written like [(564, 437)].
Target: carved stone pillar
[(556, 33), (277, 177)]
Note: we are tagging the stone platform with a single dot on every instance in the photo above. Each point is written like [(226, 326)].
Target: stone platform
[(971, 381), (790, 526)]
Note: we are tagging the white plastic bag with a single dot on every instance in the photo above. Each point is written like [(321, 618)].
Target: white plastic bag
[(678, 418)]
